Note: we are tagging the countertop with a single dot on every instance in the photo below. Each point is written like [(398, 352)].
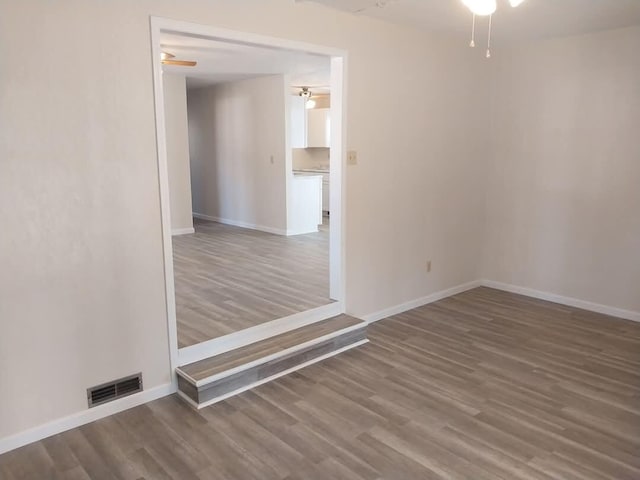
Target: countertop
[(298, 174), (311, 170)]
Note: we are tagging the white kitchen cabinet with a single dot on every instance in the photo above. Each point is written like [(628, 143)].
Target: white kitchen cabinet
[(318, 128), (298, 123), (310, 128), (305, 213)]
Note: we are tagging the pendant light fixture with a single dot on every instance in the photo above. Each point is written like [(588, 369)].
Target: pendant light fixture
[(484, 8)]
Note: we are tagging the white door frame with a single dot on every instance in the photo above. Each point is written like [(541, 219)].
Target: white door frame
[(337, 263)]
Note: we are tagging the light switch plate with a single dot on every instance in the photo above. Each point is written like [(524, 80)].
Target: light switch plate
[(352, 157)]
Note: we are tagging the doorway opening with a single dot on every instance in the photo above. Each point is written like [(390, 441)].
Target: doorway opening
[(249, 249)]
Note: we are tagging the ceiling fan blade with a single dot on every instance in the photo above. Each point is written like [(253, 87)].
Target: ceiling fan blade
[(181, 63)]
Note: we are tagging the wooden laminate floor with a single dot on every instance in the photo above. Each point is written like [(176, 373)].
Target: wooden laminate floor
[(230, 278), (483, 385)]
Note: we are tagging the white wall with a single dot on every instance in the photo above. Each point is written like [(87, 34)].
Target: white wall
[(310, 158), (175, 108), (81, 284), (81, 289), (237, 145), (563, 191)]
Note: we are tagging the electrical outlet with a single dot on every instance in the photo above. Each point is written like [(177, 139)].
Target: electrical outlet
[(352, 157), (428, 265)]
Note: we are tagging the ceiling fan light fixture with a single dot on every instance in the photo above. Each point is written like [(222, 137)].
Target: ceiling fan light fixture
[(482, 7), (305, 93)]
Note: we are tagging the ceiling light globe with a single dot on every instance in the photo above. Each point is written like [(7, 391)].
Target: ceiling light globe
[(482, 7)]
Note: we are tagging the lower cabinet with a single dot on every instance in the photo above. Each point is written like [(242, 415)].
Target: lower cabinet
[(305, 212)]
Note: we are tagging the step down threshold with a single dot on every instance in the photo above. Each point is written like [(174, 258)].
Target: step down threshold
[(214, 379)]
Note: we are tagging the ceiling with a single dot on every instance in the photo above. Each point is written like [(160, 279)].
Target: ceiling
[(533, 19), (220, 62)]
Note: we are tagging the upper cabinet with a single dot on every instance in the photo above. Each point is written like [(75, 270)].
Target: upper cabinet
[(318, 127), (298, 123), (310, 128)]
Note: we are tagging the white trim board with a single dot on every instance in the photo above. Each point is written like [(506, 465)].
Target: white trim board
[(337, 159), (238, 223), (419, 302), (242, 37), (569, 301), (83, 417), (163, 183), (292, 233), (182, 231)]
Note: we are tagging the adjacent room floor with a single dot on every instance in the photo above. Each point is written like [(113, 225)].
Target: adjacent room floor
[(230, 278), (483, 385)]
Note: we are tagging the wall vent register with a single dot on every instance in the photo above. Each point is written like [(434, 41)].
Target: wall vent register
[(110, 391)]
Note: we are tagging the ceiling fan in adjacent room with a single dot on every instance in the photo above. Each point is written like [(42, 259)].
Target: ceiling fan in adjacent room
[(168, 59), (306, 93)]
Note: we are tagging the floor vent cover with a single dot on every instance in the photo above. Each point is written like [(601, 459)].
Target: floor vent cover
[(113, 390)]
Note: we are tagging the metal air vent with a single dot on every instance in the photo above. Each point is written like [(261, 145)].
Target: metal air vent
[(113, 390)]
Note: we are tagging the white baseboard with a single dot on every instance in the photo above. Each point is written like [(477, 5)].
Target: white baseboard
[(83, 417), (529, 292), (419, 302), (238, 223), (291, 233), (182, 231), (571, 302)]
